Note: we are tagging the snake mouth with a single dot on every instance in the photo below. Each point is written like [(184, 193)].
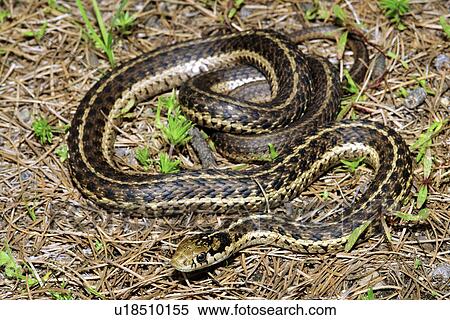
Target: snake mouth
[(179, 266), (184, 263)]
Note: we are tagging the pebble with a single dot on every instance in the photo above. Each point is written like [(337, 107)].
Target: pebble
[(445, 102), (92, 59), (441, 274), (24, 115), (245, 12), (153, 22), (415, 97), (122, 152), (125, 152), (441, 62), (25, 175), (167, 7)]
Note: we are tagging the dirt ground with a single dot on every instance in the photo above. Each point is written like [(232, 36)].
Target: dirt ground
[(56, 244)]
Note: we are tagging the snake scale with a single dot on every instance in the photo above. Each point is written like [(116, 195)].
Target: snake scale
[(304, 98)]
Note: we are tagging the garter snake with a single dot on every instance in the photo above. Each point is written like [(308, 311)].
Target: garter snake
[(305, 95)]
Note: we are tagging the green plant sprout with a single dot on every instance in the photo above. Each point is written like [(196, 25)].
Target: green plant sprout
[(166, 165), (12, 269), (395, 10), (445, 26), (424, 140), (39, 34), (65, 295), (351, 85), (94, 292), (317, 11), (424, 85), (348, 101), (421, 216), (339, 14), (417, 263), (105, 41), (42, 130), (341, 43), (98, 245), (123, 21), (273, 152), (402, 92), (142, 156), (369, 295), (353, 165), (4, 15), (31, 212), (62, 152), (395, 57), (354, 236), (422, 145), (45, 132), (176, 131), (236, 6)]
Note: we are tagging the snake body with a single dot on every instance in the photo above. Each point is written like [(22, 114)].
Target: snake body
[(305, 95)]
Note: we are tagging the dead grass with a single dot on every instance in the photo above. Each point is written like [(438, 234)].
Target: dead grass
[(72, 247)]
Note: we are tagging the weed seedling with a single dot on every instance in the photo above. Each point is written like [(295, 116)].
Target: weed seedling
[(62, 152), (4, 15), (273, 152), (395, 10), (142, 156), (123, 21), (42, 130), (166, 165), (12, 269), (352, 165), (105, 41), (176, 131), (236, 6), (445, 26), (39, 34)]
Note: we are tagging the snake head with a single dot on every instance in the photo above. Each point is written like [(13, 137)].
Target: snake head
[(202, 250)]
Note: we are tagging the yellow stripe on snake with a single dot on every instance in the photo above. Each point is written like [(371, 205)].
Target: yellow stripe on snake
[(304, 98)]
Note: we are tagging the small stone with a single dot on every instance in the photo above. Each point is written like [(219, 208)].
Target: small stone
[(153, 22), (445, 102), (25, 175), (441, 274), (441, 62), (245, 12), (122, 152), (24, 115), (92, 58), (416, 97), (167, 7)]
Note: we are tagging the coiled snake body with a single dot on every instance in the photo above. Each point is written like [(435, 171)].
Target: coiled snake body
[(305, 95)]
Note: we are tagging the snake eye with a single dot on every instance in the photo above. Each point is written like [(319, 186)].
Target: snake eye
[(201, 257)]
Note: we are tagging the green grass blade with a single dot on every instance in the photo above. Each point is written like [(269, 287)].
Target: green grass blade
[(101, 24), (354, 236)]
